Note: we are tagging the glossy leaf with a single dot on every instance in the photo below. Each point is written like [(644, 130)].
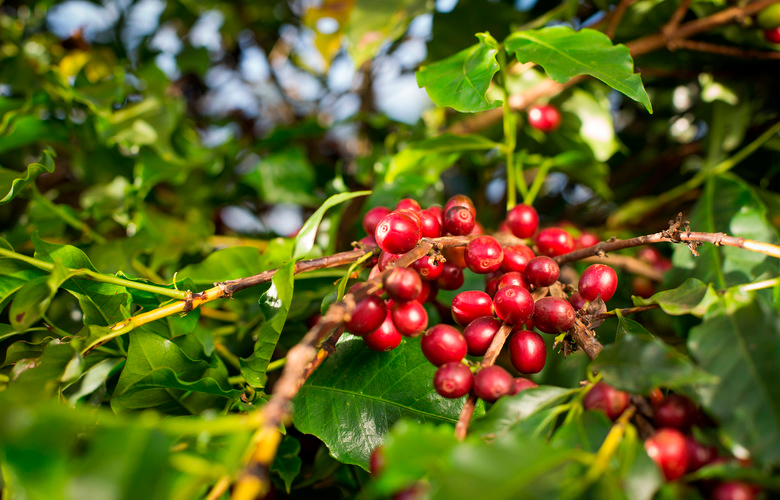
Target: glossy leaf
[(692, 297), (275, 304), (461, 81), (33, 298), (637, 363), (158, 374), (739, 342), (511, 410), (430, 157), (565, 53), (353, 399), (11, 184)]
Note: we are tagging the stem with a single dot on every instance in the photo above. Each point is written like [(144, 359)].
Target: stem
[(541, 174), (716, 239), (760, 285), (275, 365), (95, 276), (462, 427), (65, 216), (510, 140)]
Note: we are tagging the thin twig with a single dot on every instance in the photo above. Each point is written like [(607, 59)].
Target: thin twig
[(627, 311), (677, 17), (462, 427), (717, 239), (616, 16), (725, 50)]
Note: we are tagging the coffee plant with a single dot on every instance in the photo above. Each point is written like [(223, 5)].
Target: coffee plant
[(389, 249)]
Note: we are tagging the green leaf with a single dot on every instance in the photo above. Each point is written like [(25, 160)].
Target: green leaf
[(101, 303), (597, 128), (410, 450), (351, 401), (692, 297), (728, 204), (304, 242), (739, 341), (514, 466), (14, 275), (275, 304), (587, 431), (430, 157), (637, 363), (565, 53), (509, 411), (222, 265), (287, 463), (91, 380), (461, 80), (11, 184), (284, 177), (158, 374), (33, 298)]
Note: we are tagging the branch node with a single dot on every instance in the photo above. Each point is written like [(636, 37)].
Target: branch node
[(226, 290)]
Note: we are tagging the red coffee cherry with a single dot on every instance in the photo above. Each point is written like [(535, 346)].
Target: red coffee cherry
[(372, 218), (478, 229), (527, 351), (458, 221), (455, 256), (586, 240), (375, 272), (376, 462), (511, 279), (442, 344), (453, 380), (597, 280), (438, 212), (735, 490), (675, 411), (492, 382), (367, 316), (402, 285), (642, 287), (409, 318), (553, 315), (545, 118), (516, 257), (397, 233), (772, 35), (428, 291), (491, 283), (408, 204), (699, 455), (553, 241), (470, 305), (606, 399), (460, 200), (542, 271), (451, 277), (387, 259), (431, 227), (651, 255), (522, 220), (521, 384), (513, 304), (479, 334), (428, 268), (384, 338), (577, 301), (484, 255), (669, 451)]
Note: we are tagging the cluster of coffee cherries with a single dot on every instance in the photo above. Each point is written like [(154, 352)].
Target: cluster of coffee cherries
[(672, 446), (513, 271), (769, 20)]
